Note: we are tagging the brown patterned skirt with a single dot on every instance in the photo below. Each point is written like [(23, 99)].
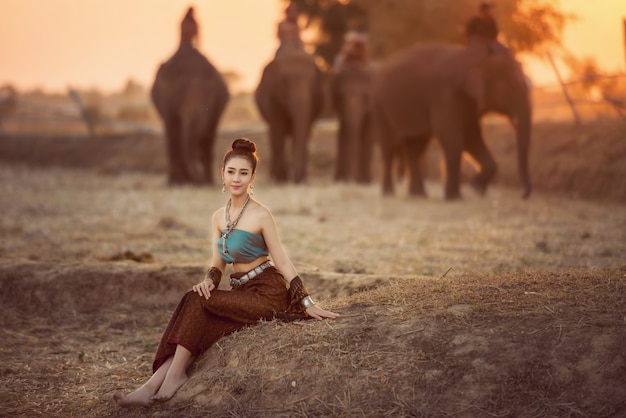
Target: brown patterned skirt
[(197, 323)]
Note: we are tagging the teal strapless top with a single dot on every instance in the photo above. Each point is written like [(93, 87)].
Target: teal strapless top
[(241, 246)]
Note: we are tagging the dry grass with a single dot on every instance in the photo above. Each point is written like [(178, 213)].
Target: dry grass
[(480, 345), (487, 307)]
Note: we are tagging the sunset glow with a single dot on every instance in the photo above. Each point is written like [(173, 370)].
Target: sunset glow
[(53, 44)]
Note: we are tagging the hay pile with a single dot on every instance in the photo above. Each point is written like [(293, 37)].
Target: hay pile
[(516, 344)]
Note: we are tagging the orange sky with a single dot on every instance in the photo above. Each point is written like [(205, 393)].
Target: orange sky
[(101, 43)]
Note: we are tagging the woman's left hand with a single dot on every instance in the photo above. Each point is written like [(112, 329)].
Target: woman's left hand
[(319, 313)]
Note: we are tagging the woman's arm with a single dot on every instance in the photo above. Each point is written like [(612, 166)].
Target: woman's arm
[(213, 274), (285, 266), (216, 259), (277, 251)]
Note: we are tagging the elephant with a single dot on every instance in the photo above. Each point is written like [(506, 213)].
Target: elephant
[(289, 97), (443, 90), (350, 91), (190, 96)]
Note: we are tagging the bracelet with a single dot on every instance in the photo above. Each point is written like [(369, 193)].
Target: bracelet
[(307, 302), (214, 274), (296, 292)]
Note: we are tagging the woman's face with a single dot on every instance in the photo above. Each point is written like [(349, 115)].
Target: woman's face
[(237, 175)]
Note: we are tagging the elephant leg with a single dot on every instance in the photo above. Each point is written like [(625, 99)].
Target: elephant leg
[(207, 152), (401, 166), (364, 174), (300, 142), (301, 159), (192, 135), (177, 172), (387, 152), (300, 114), (415, 153), (450, 134), (341, 165), (384, 137), (452, 178), (278, 135), (477, 149)]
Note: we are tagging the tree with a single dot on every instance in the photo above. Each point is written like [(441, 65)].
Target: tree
[(132, 89), (330, 20), (533, 24), (392, 25)]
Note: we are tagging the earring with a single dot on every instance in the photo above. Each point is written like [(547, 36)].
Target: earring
[(223, 187), (252, 189)]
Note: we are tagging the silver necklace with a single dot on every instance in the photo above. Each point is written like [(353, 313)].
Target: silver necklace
[(230, 225)]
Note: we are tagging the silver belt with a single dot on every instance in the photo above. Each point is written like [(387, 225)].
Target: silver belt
[(249, 275)]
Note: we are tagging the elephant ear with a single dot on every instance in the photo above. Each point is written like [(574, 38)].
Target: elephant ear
[(469, 78), (263, 92), (474, 87)]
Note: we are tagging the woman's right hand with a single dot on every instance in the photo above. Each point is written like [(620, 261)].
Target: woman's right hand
[(204, 288)]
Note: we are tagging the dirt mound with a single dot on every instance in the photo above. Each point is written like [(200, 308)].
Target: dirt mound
[(58, 291), (505, 345)]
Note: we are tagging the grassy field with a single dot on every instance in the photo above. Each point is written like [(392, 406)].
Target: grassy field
[(490, 306)]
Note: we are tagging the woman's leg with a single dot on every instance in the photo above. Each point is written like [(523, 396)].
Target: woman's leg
[(176, 375), (198, 323), (141, 396)]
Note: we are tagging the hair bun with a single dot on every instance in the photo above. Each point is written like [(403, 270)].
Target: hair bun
[(244, 145)]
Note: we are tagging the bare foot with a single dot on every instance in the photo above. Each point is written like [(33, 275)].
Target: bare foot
[(169, 387), (140, 397)]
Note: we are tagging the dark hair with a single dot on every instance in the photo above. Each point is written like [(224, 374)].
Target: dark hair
[(244, 148)]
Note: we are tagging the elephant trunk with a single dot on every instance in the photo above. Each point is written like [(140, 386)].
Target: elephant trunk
[(354, 113), (522, 123), (301, 109)]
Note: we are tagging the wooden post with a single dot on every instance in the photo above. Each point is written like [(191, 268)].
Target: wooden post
[(564, 88), (8, 102), (75, 95)]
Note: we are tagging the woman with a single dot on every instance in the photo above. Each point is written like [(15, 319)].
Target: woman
[(244, 235)]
